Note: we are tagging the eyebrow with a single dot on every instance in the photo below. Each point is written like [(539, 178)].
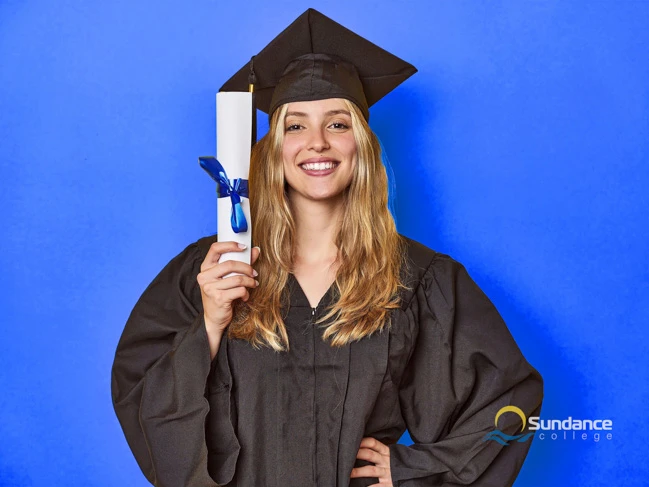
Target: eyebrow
[(328, 114)]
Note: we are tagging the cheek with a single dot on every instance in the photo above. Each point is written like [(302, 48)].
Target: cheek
[(347, 146), (290, 149)]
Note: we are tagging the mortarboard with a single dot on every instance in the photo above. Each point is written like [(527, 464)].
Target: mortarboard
[(316, 58)]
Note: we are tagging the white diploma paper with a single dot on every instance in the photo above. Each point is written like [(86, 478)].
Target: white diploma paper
[(233, 136)]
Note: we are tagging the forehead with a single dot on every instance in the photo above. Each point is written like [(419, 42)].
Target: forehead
[(316, 107)]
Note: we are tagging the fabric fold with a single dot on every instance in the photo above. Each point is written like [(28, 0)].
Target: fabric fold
[(159, 377), (465, 366), (222, 443)]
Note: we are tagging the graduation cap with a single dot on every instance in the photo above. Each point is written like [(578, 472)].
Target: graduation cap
[(316, 58)]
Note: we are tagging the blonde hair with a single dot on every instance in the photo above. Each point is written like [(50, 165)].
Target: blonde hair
[(370, 251)]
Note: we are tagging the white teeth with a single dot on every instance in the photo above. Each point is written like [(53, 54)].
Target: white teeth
[(318, 166)]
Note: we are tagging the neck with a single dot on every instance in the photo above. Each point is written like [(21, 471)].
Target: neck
[(316, 224)]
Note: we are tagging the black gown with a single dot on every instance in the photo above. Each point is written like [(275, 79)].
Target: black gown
[(261, 418)]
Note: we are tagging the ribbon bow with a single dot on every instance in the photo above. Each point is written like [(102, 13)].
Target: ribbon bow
[(235, 189)]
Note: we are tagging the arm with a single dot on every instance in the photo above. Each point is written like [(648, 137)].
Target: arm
[(465, 366), (159, 377)]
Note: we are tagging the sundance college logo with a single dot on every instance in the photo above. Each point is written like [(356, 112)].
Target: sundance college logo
[(566, 429)]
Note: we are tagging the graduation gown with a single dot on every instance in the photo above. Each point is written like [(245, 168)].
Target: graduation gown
[(279, 419)]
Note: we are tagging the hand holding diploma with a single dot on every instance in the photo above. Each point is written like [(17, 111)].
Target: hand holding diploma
[(218, 291)]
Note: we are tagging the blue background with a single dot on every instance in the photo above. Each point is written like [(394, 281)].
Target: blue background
[(520, 149)]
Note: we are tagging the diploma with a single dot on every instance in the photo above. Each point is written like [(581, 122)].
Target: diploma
[(233, 133), (230, 171)]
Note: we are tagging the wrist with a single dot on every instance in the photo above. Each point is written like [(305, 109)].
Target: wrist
[(214, 336), (211, 327)]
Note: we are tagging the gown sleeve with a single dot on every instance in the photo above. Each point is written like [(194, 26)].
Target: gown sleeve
[(159, 380), (464, 367)]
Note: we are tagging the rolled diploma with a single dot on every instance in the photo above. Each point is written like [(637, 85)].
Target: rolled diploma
[(233, 135)]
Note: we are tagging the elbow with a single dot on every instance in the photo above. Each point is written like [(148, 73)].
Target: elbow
[(538, 384), (117, 384), (533, 393)]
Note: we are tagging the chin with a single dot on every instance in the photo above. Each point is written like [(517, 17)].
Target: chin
[(323, 195), (320, 192)]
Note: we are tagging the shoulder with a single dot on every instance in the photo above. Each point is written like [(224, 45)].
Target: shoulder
[(421, 260), (418, 255), (426, 269), (203, 244), (185, 265), (194, 254)]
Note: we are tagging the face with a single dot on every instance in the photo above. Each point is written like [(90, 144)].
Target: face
[(319, 150)]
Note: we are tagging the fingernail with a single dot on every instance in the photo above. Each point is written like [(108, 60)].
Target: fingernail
[(242, 246), (255, 273), (257, 282), (257, 247)]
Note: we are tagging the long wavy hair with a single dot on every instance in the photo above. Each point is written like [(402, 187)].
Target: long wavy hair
[(370, 251)]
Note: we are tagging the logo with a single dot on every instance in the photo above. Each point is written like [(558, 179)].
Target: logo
[(504, 438), (571, 428)]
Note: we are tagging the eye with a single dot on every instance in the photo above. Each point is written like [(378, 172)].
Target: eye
[(293, 127), (339, 126)]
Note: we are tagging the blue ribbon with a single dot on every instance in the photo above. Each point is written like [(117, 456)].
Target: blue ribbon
[(235, 189)]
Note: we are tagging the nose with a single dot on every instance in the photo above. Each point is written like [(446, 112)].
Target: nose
[(318, 140)]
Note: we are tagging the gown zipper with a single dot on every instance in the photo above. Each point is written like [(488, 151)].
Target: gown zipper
[(315, 451)]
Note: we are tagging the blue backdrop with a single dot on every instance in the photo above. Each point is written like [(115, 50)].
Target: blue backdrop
[(520, 149)]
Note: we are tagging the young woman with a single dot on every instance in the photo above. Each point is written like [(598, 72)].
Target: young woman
[(307, 367)]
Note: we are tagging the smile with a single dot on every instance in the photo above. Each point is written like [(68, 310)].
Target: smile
[(319, 168)]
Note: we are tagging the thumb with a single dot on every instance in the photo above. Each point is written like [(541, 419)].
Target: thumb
[(254, 254)]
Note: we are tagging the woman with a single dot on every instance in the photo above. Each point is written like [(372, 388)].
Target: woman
[(307, 367)]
